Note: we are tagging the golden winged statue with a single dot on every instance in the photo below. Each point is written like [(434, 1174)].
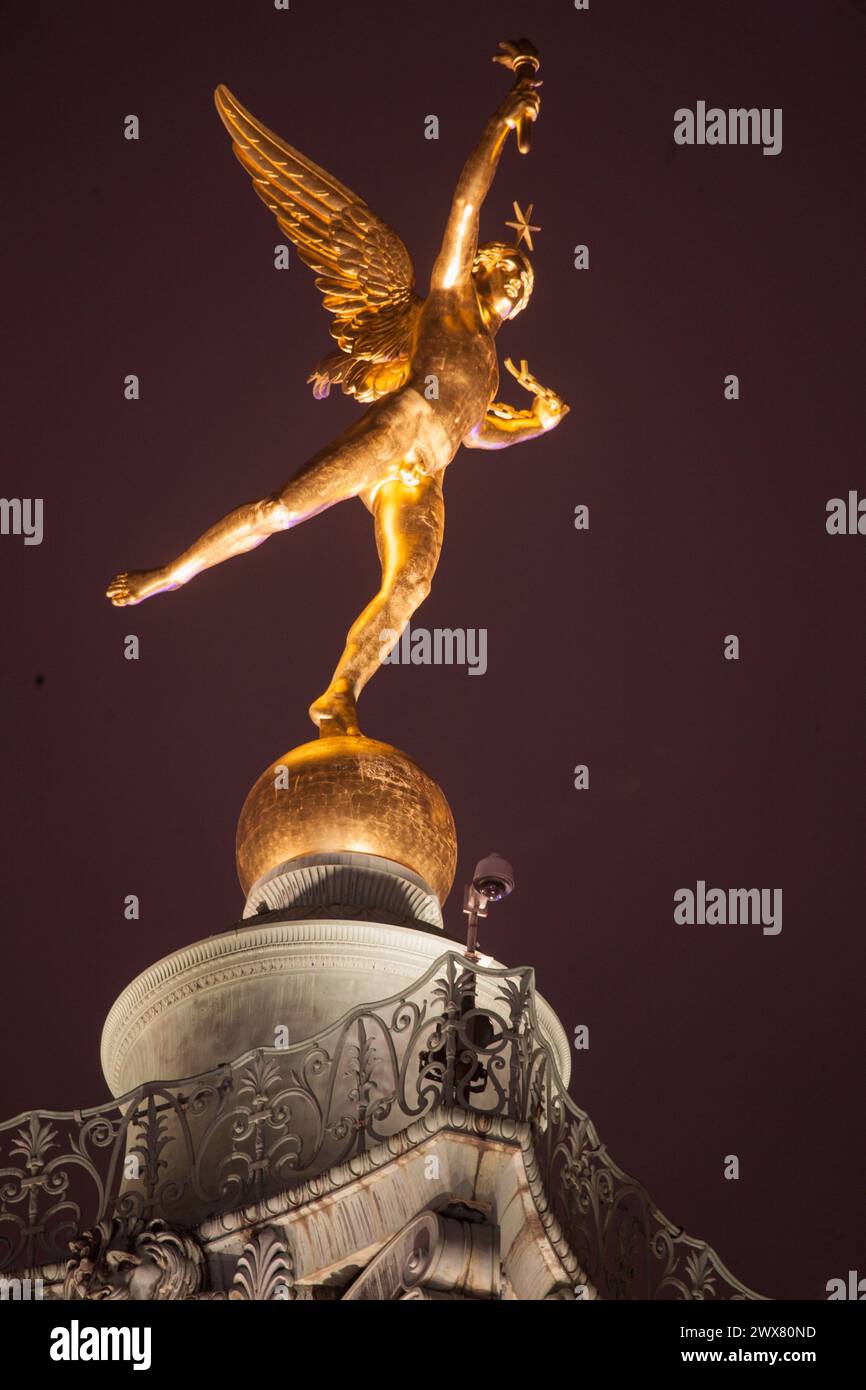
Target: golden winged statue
[(425, 368)]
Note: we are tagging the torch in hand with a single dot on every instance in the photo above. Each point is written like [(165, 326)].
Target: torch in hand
[(521, 56)]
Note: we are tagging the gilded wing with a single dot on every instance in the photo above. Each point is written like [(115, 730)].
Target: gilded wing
[(361, 265)]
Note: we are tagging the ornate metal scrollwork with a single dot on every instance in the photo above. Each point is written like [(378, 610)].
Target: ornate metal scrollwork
[(464, 1036)]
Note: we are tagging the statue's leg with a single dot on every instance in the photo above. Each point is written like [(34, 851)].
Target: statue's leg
[(410, 520), (359, 458)]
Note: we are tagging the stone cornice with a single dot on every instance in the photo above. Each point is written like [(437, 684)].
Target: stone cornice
[(283, 947), (488, 1132)]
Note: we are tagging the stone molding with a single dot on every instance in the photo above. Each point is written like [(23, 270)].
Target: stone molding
[(284, 947), (364, 887), (535, 1251), (433, 1255)]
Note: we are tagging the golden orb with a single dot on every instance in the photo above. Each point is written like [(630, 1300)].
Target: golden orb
[(347, 794)]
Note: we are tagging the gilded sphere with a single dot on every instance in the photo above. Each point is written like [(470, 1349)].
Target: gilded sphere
[(347, 794)]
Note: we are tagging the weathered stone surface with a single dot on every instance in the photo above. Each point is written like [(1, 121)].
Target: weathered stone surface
[(220, 997), (337, 1224)]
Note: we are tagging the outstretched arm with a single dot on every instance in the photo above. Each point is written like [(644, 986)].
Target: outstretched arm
[(505, 424), (460, 242)]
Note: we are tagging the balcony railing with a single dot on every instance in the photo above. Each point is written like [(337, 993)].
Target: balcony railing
[(464, 1035)]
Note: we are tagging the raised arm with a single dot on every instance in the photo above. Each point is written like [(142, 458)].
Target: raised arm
[(460, 242)]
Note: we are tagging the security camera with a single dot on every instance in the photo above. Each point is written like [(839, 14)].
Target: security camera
[(493, 878)]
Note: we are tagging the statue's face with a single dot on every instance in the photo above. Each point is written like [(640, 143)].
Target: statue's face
[(500, 287)]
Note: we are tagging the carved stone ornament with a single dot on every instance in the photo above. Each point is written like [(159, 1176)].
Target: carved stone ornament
[(121, 1259), (433, 1257), (264, 1272)]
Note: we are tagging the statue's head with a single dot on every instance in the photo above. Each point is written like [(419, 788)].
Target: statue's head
[(503, 279)]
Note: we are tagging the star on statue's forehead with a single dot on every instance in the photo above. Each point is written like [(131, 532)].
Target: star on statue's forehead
[(523, 226)]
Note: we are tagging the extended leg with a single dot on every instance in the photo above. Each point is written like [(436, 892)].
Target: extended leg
[(410, 520), (359, 458)]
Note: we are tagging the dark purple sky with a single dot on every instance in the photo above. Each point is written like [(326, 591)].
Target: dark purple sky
[(605, 647)]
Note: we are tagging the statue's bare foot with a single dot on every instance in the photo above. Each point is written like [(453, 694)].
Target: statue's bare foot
[(336, 714), (134, 586)]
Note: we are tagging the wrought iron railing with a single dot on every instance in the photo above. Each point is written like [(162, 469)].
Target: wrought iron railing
[(464, 1035)]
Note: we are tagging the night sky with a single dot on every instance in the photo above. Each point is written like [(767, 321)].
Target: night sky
[(605, 646)]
